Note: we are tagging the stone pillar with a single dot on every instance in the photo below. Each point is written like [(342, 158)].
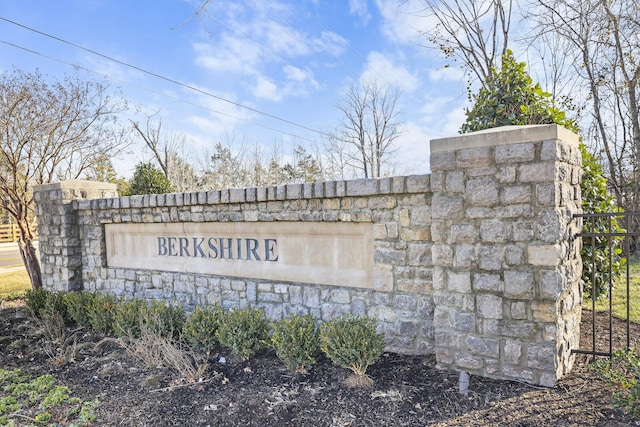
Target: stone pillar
[(58, 231), (506, 264)]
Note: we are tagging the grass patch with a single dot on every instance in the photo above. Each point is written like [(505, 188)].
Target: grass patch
[(14, 282), (619, 295)]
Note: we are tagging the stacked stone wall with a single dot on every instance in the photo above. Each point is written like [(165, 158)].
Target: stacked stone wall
[(476, 262)]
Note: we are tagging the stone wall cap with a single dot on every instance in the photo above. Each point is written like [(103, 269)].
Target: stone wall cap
[(75, 184), (504, 135)]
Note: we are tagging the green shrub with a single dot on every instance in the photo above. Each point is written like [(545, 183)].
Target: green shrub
[(36, 300), (623, 373), (296, 342), (101, 313), (163, 319), (243, 331), (78, 305), (200, 327), (128, 318), (40, 301), (352, 342), (602, 257)]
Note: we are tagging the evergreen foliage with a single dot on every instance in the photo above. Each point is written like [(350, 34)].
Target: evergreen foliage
[(352, 342), (509, 97), (148, 179), (295, 341)]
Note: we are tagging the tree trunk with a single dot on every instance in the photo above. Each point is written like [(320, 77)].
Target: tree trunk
[(29, 255)]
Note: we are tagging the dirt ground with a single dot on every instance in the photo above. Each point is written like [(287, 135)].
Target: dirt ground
[(408, 390)]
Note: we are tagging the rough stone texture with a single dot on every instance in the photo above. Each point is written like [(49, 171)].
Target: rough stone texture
[(478, 257), (517, 212)]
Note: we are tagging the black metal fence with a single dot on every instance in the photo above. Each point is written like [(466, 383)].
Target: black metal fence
[(609, 242)]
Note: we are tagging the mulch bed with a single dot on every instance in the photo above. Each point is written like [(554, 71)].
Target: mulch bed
[(408, 390)]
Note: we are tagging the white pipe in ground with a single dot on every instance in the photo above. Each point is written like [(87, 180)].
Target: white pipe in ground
[(463, 383)]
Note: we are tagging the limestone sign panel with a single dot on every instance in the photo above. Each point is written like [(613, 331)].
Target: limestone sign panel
[(321, 253)]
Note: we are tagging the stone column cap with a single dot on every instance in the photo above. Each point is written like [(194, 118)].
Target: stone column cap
[(504, 135), (76, 184)]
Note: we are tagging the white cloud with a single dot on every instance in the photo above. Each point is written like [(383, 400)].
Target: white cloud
[(266, 89), (329, 42), (403, 21), (453, 120), (380, 67), (256, 38), (233, 55), (447, 74), (359, 8), (300, 80), (412, 155)]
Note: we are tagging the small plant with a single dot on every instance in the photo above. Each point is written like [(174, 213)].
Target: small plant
[(40, 300), (157, 351), (353, 343), (164, 320), (101, 313), (41, 400), (243, 331), (296, 342), (128, 317), (78, 305), (623, 373), (36, 300), (200, 328)]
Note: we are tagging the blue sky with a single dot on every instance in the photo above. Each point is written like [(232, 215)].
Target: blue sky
[(292, 59)]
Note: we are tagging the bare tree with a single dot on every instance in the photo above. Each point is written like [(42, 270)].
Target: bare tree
[(169, 149), (370, 126), (49, 131), (606, 61), (475, 32)]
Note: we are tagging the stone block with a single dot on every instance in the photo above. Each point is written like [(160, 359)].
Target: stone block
[(483, 346), (487, 283), (491, 258), (454, 182), (541, 356), (544, 255), (551, 285), (417, 183), (294, 191), (494, 231), (517, 194), (537, 172), (468, 361), (415, 234), (459, 282), (442, 160), (419, 254), (446, 207), (465, 256), (518, 310), (519, 284), (515, 153), (362, 187), (489, 306), (463, 233), (480, 157), (512, 352), (404, 302), (483, 192), (464, 322)]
